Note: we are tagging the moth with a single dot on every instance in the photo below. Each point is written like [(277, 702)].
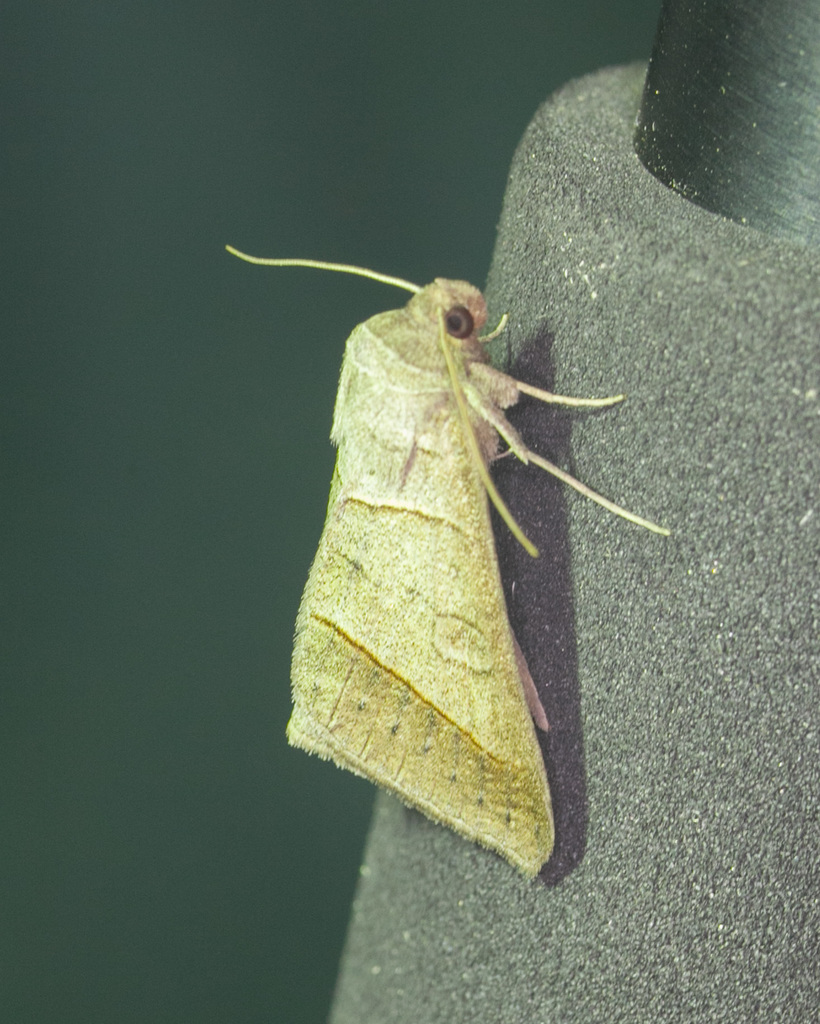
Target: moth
[(405, 669)]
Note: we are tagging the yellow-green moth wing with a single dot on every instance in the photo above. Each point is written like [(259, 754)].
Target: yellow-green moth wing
[(404, 667)]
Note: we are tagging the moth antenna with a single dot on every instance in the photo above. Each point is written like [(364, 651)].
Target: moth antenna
[(344, 268), (548, 396), (502, 324), (472, 443), (594, 496)]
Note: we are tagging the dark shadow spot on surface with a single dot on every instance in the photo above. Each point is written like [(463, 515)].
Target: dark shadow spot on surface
[(539, 601)]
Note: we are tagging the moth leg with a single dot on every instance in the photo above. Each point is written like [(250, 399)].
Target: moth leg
[(505, 390), (498, 387), (548, 396), (587, 492), (492, 414), (489, 411), (537, 711)]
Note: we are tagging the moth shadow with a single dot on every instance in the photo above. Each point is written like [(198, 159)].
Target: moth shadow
[(539, 600)]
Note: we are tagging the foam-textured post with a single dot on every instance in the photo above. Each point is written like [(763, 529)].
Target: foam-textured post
[(680, 675)]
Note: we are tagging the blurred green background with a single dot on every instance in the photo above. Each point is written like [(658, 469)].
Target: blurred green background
[(165, 412)]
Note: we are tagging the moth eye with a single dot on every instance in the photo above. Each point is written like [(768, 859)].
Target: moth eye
[(458, 322)]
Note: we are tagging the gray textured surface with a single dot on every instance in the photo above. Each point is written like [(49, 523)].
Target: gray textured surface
[(680, 676)]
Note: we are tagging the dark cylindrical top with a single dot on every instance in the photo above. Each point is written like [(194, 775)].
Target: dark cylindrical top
[(730, 115)]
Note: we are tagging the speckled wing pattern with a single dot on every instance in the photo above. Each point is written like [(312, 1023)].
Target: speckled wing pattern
[(404, 666)]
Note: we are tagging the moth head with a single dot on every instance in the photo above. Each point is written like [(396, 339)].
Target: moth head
[(461, 305)]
